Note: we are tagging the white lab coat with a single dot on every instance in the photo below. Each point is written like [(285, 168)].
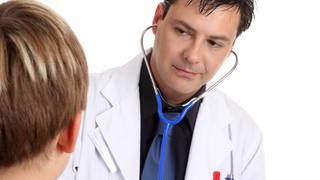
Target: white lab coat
[(108, 146)]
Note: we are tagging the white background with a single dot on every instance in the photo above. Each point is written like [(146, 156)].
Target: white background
[(277, 80)]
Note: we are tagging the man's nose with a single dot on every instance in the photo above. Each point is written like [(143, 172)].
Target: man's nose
[(193, 52)]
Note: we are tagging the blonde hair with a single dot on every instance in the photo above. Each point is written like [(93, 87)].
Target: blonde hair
[(43, 79)]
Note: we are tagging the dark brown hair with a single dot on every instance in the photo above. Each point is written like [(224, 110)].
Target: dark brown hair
[(245, 7), (43, 79)]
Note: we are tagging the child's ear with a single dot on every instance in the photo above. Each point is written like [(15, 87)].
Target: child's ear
[(68, 137)]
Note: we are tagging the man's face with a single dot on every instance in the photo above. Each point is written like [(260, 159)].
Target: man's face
[(190, 47)]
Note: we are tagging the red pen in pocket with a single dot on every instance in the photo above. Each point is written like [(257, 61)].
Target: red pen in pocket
[(216, 175)]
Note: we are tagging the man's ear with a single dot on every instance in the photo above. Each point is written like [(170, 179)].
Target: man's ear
[(158, 15), (68, 137)]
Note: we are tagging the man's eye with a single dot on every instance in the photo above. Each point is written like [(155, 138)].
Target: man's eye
[(181, 31), (214, 43)]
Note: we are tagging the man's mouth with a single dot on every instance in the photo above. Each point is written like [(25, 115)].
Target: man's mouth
[(186, 73)]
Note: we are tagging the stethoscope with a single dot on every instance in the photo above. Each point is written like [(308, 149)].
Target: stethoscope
[(171, 122)]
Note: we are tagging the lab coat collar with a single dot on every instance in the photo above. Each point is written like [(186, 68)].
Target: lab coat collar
[(120, 124), (209, 146)]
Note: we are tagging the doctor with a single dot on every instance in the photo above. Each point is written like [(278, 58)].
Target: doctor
[(192, 40)]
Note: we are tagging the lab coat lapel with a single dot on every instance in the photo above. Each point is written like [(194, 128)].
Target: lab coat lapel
[(210, 143), (120, 125)]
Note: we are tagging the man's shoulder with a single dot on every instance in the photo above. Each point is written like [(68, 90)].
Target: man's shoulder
[(233, 107), (238, 115), (124, 73), (98, 80)]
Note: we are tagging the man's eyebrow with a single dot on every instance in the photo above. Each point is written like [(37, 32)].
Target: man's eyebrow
[(212, 37), (219, 37), (184, 24)]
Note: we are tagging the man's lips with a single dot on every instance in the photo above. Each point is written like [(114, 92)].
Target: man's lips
[(185, 72)]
